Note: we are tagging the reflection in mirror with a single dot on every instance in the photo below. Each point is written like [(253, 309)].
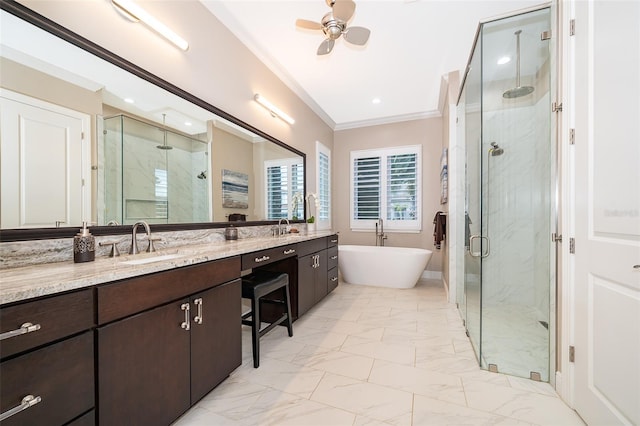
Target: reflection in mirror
[(104, 145)]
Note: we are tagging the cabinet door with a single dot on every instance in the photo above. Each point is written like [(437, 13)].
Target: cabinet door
[(306, 283), (216, 337), (143, 368), (321, 276)]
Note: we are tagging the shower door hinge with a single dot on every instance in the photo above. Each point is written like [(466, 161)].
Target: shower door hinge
[(572, 136), (545, 35), (572, 27), (572, 245), (572, 354), (556, 107), (556, 238)]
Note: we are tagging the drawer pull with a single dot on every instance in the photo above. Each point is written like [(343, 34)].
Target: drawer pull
[(261, 259), (27, 401), (334, 241), (198, 317), (334, 257), (25, 328), (289, 251), (186, 324), (334, 279)]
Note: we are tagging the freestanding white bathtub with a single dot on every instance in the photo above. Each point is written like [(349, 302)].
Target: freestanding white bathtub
[(394, 267)]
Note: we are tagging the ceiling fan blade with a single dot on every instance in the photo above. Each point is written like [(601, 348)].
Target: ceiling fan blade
[(326, 46), (309, 25), (357, 35), (343, 9)]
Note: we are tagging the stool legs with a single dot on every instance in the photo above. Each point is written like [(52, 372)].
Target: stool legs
[(255, 331), (288, 302)]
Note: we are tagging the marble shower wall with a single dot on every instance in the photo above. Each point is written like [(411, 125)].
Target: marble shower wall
[(142, 182), (516, 205)]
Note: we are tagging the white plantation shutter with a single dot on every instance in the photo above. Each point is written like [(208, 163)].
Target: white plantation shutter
[(401, 187), (283, 180), (386, 184), (324, 188), (366, 188)]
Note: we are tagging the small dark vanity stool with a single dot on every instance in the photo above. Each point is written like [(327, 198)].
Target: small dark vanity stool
[(255, 286)]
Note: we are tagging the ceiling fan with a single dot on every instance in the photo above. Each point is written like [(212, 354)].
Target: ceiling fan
[(334, 24)]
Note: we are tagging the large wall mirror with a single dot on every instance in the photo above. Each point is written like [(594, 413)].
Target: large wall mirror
[(87, 136)]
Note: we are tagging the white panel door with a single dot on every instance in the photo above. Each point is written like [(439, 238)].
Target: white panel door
[(43, 164), (607, 200)]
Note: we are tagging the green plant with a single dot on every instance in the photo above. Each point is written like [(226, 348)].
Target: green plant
[(312, 219)]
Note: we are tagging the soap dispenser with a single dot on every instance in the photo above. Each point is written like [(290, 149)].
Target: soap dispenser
[(84, 245)]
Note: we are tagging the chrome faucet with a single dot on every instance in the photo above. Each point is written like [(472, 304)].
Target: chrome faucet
[(280, 231), (134, 233), (380, 237)]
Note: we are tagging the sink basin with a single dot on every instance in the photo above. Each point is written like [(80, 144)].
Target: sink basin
[(158, 258)]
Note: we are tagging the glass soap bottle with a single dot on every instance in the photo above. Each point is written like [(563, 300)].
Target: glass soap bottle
[(84, 245)]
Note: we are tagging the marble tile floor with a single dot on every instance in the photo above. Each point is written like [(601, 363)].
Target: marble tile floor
[(368, 356)]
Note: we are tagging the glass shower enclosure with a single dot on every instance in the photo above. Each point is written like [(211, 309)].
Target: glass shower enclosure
[(152, 173), (506, 296)]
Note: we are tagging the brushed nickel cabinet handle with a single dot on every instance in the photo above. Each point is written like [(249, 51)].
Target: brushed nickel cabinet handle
[(334, 257), (334, 279), (186, 324), (25, 328), (261, 259), (334, 241), (198, 318), (27, 401), (289, 251)]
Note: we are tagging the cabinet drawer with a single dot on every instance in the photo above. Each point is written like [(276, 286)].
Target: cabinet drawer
[(62, 375), (123, 298), (332, 280), (332, 240), (57, 317), (311, 246), (263, 257), (333, 257)]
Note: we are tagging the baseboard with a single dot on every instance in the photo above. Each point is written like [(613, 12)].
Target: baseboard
[(432, 275)]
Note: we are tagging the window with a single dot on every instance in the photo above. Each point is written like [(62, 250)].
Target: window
[(285, 186), (385, 183), (323, 215)]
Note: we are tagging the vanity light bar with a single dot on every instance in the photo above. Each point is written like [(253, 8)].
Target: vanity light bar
[(274, 110), (135, 11)]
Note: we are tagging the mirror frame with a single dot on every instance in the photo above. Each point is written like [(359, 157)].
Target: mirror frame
[(27, 234)]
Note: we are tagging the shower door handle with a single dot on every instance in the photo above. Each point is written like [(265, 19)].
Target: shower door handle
[(480, 253)]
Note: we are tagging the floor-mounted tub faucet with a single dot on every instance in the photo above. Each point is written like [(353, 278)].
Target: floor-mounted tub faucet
[(380, 237)]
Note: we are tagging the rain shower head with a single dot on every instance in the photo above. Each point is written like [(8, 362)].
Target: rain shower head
[(164, 145), (518, 91), (495, 150)]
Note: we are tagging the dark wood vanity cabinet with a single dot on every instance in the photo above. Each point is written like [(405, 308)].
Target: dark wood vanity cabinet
[(52, 365), (155, 363)]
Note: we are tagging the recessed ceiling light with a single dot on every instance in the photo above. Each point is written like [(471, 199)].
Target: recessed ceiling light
[(376, 100), (504, 60), (129, 100)]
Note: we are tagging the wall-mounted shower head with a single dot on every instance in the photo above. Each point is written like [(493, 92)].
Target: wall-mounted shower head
[(518, 91), (202, 175), (495, 150)]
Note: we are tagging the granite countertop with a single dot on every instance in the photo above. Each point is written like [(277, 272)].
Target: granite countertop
[(39, 280)]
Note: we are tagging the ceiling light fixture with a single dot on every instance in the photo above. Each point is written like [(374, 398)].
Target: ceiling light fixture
[(274, 110), (132, 10)]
